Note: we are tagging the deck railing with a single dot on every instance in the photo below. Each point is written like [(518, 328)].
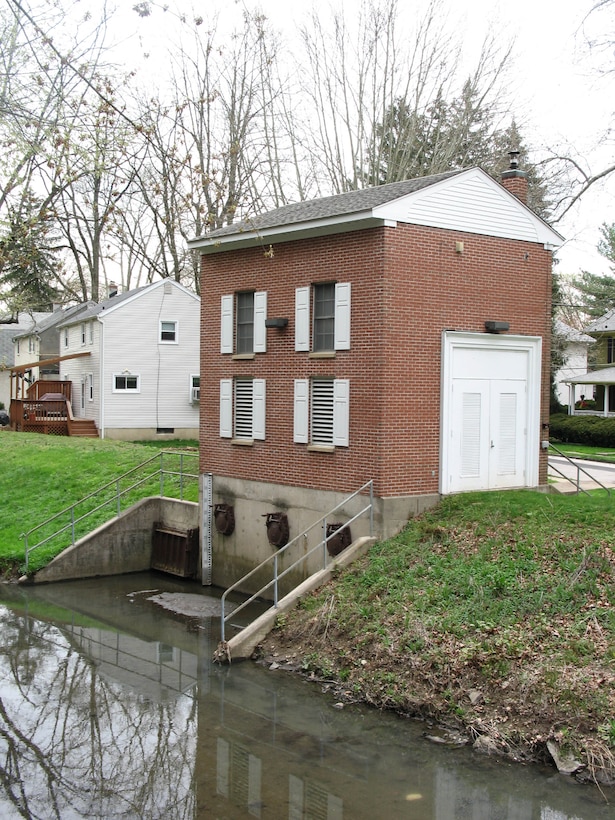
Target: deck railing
[(164, 474), (273, 561)]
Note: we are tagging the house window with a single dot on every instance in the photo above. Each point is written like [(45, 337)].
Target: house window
[(91, 324), (126, 384), (195, 389), (242, 323), (168, 332), (242, 409), (65, 337), (90, 387), (31, 345), (83, 333), (610, 350), (321, 415), (328, 329)]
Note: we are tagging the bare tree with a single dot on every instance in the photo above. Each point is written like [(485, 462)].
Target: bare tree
[(388, 102)]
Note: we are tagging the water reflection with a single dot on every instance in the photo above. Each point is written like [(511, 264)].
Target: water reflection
[(109, 707)]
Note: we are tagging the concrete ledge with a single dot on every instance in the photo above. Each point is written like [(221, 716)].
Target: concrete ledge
[(244, 643)]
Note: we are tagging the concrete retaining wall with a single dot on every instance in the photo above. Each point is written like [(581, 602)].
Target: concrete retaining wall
[(235, 555), (121, 545)]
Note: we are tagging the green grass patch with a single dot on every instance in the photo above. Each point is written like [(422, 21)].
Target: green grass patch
[(42, 476), (510, 593)]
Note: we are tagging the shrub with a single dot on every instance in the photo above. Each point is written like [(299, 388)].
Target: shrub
[(594, 431)]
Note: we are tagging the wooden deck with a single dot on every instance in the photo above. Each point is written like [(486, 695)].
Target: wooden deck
[(47, 410)]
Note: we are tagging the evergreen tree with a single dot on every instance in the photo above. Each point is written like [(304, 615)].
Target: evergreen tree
[(596, 292)]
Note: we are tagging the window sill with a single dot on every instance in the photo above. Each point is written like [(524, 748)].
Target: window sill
[(241, 357), (243, 442), (321, 448), (325, 354)]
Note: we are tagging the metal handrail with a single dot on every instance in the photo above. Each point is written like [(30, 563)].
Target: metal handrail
[(274, 559), (115, 499), (579, 470)]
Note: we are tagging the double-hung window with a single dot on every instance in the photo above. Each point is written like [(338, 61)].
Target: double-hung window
[(321, 416), (242, 323), (242, 409), (168, 332), (322, 317)]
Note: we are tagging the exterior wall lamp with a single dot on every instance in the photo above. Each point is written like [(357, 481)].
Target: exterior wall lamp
[(496, 327), (279, 323)]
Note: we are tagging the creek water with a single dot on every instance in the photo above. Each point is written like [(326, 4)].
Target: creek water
[(110, 707)]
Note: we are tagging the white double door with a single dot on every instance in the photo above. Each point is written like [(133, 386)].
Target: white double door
[(490, 412), (489, 435)]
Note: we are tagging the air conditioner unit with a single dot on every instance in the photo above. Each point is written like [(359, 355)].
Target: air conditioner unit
[(196, 394)]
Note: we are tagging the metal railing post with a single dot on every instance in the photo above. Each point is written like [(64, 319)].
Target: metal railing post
[(324, 543), (161, 476), (275, 580), (371, 508), (222, 621), (118, 498), (181, 477)]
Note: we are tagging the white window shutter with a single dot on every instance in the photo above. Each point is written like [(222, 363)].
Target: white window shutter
[(301, 414), (260, 314), (226, 324), (342, 316), (302, 319), (226, 408), (341, 416), (258, 409)]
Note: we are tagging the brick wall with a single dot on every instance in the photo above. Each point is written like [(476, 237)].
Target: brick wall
[(408, 284)]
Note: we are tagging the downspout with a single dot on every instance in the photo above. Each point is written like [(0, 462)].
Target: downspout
[(101, 383)]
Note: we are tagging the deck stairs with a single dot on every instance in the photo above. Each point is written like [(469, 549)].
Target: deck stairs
[(86, 428)]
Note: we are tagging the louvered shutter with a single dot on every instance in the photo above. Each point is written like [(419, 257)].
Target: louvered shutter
[(258, 409), (226, 324), (301, 414), (260, 314), (341, 415), (342, 316), (302, 319), (226, 408)]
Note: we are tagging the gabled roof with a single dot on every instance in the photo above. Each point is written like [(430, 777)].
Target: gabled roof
[(55, 319), (571, 334), (100, 309), (467, 200), (605, 324)]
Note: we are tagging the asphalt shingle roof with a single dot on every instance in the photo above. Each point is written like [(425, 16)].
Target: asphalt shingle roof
[(333, 206)]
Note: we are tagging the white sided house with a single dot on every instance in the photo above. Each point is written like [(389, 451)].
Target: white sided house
[(141, 377)]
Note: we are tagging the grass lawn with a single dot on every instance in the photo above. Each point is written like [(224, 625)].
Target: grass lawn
[(494, 610), (43, 475), (584, 451)]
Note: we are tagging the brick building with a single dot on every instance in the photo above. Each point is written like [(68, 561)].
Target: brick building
[(399, 333)]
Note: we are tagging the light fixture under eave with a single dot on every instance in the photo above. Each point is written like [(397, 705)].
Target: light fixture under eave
[(279, 323), (496, 327)]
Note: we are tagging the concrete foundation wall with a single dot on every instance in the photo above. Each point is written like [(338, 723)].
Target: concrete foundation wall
[(235, 555), (122, 545), (149, 434)]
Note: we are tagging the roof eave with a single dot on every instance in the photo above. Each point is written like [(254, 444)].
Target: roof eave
[(344, 223)]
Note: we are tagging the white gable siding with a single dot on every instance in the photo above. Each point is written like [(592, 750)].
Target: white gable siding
[(471, 203), (131, 343)]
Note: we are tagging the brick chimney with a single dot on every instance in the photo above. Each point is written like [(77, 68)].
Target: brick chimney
[(515, 180)]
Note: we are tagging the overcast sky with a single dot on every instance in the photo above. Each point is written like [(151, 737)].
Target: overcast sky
[(561, 97)]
